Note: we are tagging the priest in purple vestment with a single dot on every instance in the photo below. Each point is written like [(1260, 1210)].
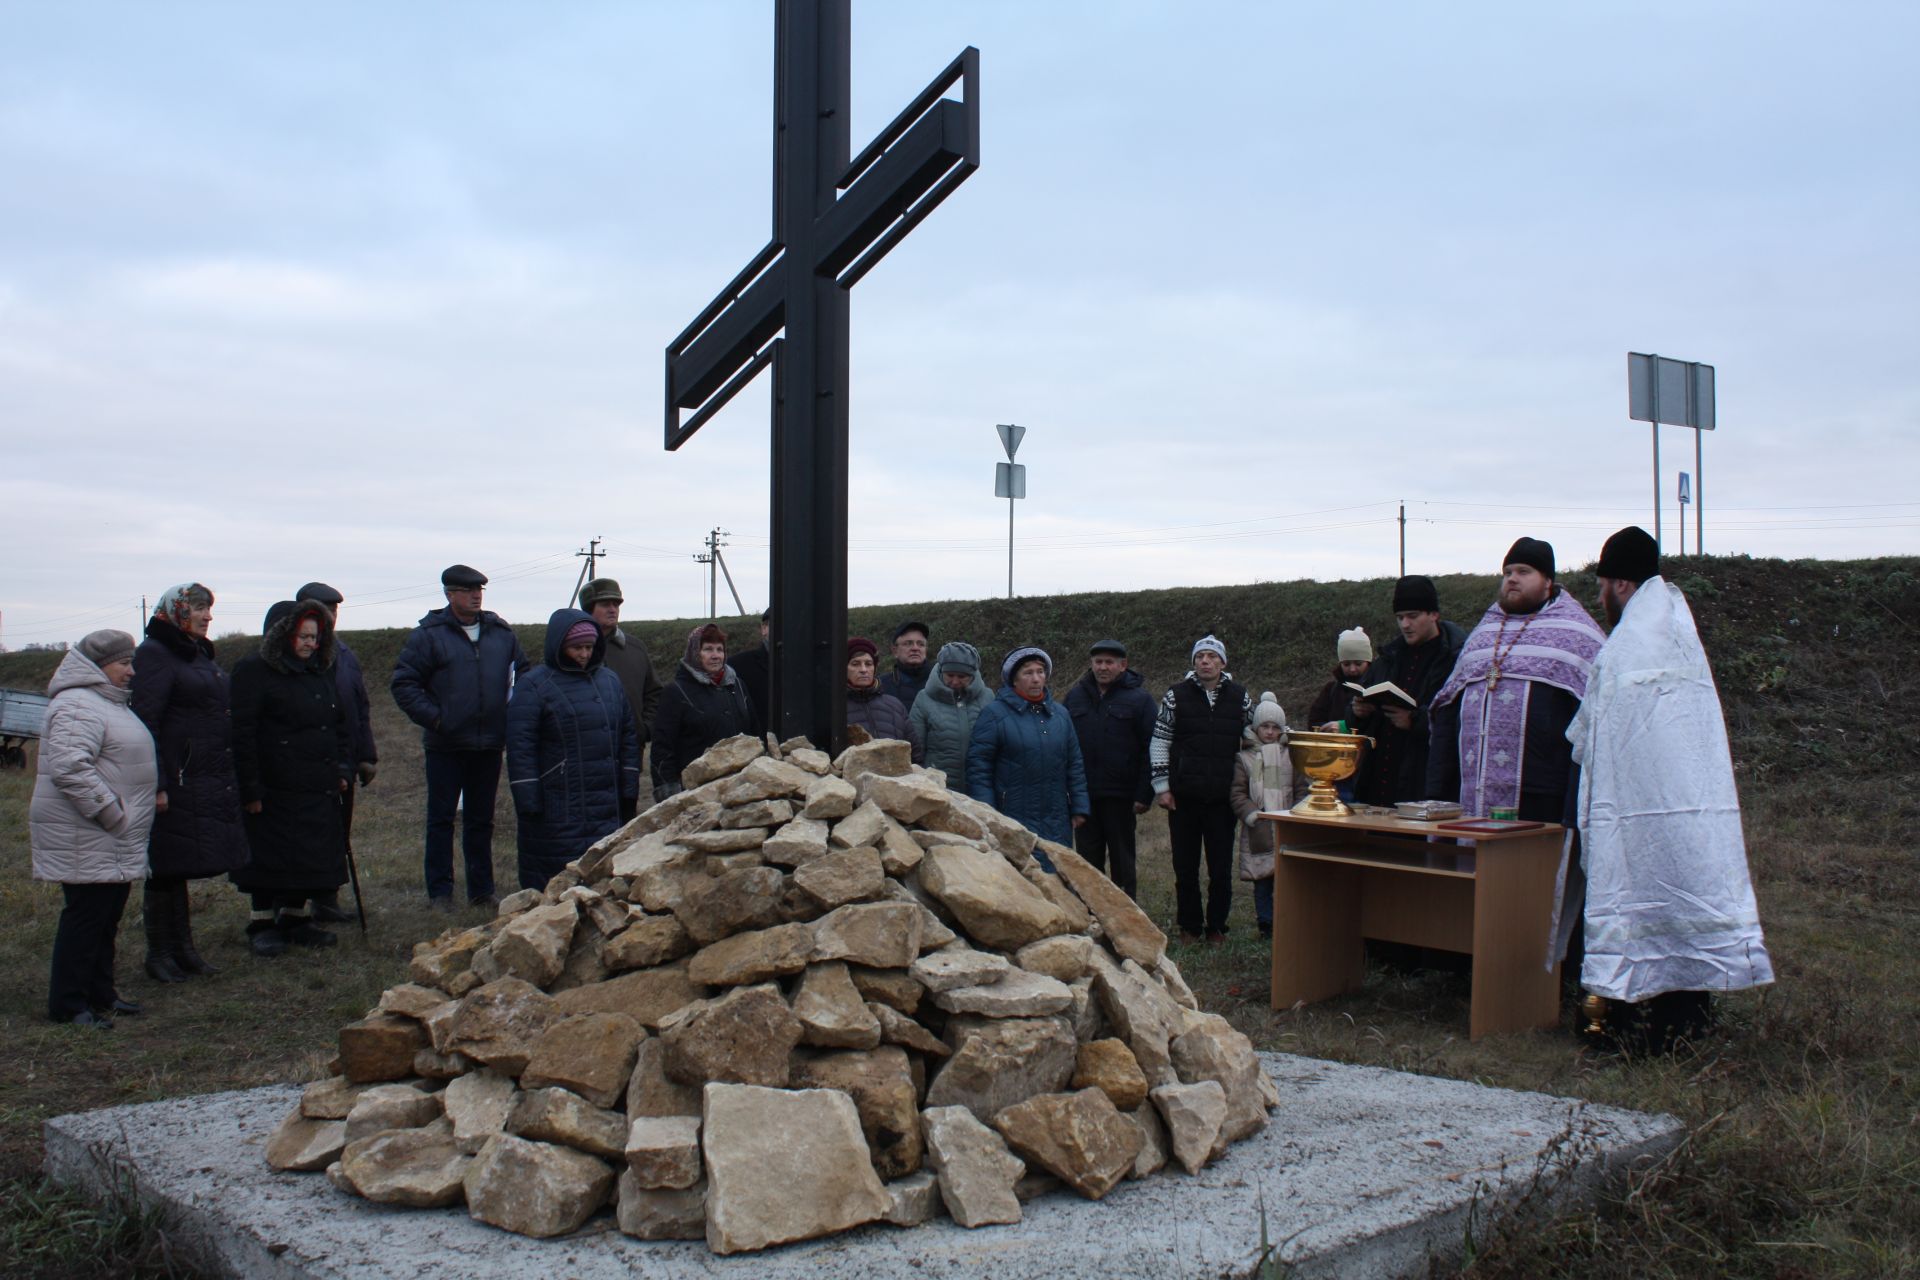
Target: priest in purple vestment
[(1499, 724)]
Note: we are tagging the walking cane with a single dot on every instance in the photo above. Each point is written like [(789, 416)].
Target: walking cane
[(353, 872)]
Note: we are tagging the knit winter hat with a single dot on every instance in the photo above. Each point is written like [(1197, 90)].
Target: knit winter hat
[(958, 655), (1354, 646), (860, 644), (581, 632), (1269, 711), (103, 647), (1020, 655), (1208, 644), (1533, 552)]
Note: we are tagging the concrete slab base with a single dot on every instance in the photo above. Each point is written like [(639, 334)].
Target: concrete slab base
[(1362, 1172)]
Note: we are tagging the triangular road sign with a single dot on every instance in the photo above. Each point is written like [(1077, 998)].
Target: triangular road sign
[(1010, 438)]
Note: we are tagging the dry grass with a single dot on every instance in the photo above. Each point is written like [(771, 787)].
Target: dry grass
[(1804, 1106)]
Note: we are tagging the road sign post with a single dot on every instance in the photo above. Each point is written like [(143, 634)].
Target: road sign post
[(1680, 394), (1010, 482)]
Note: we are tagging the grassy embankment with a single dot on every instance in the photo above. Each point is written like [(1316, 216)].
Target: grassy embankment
[(1804, 1158)]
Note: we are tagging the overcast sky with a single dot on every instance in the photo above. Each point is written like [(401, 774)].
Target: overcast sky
[(354, 291)]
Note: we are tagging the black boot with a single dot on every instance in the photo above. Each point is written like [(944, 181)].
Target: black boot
[(156, 912), (185, 954), (264, 939), (302, 932)]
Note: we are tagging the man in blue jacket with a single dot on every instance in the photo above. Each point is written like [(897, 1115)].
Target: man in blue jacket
[(453, 679), (1113, 715)]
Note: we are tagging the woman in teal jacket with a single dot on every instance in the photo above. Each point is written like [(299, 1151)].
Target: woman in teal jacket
[(1024, 758), (944, 713)]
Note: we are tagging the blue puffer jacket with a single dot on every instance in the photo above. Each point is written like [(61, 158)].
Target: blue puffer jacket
[(573, 752), (1024, 760), (1116, 731), (454, 689)]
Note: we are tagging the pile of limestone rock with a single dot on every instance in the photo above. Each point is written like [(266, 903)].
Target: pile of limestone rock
[(801, 995)]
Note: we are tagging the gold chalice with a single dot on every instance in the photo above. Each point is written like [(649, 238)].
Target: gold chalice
[(1327, 758)]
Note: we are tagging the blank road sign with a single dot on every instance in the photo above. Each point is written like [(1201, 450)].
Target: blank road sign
[(1675, 392), (1010, 437), (1009, 479)]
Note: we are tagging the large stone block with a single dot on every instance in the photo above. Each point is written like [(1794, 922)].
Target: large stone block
[(784, 1165), (830, 1010), (958, 967), (1017, 994), (380, 1047), (880, 1083), (533, 945), (754, 956), (829, 798), (1080, 1138), (1004, 1061), (559, 1115), (1130, 931), (1210, 1049), (1109, 1066), (648, 1214), (795, 843), (715, 906), (646, 995), (906, 798), (976, 1171), (863, 827), (663, 1152), (890, 756), (417, 1168), (330, 1099), (651, 1093), (727, 756), (647, 941), (993, 902), (478, 1104), (768, 779), (890, 987), (390, 1106), (898, 1028), (535, 1188), (498, 1023), (840, 876), (880, 935), (743, 1037), (302, 1144), (1194, 1114), (589, 1053)]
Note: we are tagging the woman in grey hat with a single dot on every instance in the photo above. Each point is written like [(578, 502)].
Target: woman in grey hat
[(93, 805), (1024, 757)]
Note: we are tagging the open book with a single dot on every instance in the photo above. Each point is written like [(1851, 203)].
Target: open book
[(1385, 689)]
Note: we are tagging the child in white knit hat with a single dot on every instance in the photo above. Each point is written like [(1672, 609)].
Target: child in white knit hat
[(1263, 782)]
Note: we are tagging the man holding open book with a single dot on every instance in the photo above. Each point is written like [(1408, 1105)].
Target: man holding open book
[(1391, 700)]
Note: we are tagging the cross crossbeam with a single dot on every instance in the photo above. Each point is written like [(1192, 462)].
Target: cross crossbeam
[(788, 309)]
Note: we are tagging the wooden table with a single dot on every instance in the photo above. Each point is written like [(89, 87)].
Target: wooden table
[(1337, 881)]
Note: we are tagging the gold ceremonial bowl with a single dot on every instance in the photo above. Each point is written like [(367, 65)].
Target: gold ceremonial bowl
[(1327, 758)]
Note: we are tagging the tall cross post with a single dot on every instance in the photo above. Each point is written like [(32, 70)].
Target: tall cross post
[(833, 219)]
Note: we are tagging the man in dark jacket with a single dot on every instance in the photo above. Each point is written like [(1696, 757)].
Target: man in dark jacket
[(1196, 735), (350, 687), (626, 658), (754, 668), (1419, 661), (910, 667), (453, 679), (1113, 715)]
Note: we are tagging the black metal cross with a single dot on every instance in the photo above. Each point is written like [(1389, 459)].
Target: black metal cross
[(823, 241)]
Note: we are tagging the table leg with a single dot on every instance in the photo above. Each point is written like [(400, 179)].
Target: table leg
[(1316, 931), (1513, 990)]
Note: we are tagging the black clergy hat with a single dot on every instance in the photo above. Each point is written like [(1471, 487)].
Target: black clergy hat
[(1531, 551), (1630, 555), (1416, 592)]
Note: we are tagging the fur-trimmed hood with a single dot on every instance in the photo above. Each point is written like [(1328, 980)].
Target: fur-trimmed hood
[(276, 639)]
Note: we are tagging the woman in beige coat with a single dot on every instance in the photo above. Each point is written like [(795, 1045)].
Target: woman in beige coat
[(93, 805)]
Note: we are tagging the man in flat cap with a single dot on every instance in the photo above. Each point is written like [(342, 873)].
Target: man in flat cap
[(1113, 714), (1418, 660), (1659, 891), (627, 658), (453, 679), (1499, 723), (350, 687)]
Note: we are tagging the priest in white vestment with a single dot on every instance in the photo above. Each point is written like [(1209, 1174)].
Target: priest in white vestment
[(1669, 913)]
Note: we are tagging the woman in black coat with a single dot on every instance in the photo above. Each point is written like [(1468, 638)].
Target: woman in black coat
[(880, 714), (293, 755), (704, 703), (573, 749), (181, 694)]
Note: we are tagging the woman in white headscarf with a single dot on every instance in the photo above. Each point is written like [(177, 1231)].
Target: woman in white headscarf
[(92, 807)]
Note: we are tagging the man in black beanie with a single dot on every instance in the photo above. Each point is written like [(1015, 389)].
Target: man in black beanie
[(1418, 661), (1659, 908), (1499, 723)]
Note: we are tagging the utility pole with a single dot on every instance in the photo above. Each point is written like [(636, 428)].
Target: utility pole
[(591, 552), (1403, 537), (717, 565), (140, 628)]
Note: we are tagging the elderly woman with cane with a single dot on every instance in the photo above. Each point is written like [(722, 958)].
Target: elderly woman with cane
[(293, 756), (93, 805)]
